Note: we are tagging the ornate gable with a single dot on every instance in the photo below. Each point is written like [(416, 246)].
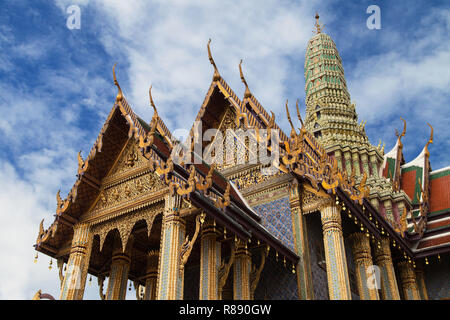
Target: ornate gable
[(129, 181)]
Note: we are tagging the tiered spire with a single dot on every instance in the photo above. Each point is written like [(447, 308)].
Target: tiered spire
[(330, 116)]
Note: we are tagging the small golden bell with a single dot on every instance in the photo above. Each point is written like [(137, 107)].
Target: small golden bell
[(35, 258)]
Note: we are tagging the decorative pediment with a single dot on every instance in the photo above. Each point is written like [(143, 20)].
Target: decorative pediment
[(126, 192)]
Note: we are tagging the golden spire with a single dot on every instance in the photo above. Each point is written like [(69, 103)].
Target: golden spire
[(427, 153), (119, 94), (247, 93), (319, 27), (216, 75)]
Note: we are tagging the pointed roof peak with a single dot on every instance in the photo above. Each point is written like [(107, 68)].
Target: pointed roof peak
[(216, 75), (119, 96), (247, 93), (319, 27)]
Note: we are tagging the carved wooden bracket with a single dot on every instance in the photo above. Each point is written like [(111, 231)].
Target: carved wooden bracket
[(224, 270), (187, 245), (256, 274)]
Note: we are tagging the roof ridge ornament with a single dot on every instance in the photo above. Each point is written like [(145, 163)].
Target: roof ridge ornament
[(119, 96), (216, 75), (399, 136), (319, 27), (298, 114), (152, 103), (427, 153), (293, 132), (247, 93)]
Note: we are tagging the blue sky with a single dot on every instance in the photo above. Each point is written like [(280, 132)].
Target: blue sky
[(57, 86)]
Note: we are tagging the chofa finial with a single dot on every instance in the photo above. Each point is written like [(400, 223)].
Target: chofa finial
[(429, 141), (216, 75), (119, 96), (298, 114), (247, 93), (151, 99), (293, 132)]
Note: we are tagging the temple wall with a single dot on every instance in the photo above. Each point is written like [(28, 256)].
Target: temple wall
[(276, 217), (437, 277)]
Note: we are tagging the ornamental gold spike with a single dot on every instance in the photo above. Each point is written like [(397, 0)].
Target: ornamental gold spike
[(247, 93), (429, 141), (298, 114), (151, 99), (119, 94), (216, 75), (289, 119), (319, 28)]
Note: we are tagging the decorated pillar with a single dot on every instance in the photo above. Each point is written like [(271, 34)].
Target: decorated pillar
[(151, 275), (77, 266), (348, 162), (374, 165), (364, 269), (336, 262), (338, 156), (304, 276), (420, 278), (241, 272), (170, 271), (210, 261), (365, 164), (355, 158), (388, 211), (375, 203), (120, 266), (408, 281), (383, 259)]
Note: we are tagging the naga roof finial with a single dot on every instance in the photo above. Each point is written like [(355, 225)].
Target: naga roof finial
[(151, 99), (293, 132), (429, 141), (399, 136), (216, 75), (247, 93), (119, 94), (319, 27), (298, 114)]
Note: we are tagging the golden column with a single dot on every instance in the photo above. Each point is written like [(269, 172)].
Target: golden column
[(408, 281), (336, 262), (120, 266), (78, 263), (383, 259), (364, 269), (241, 272), (304, 277), (170, 272), (151, 275), (420, 276), (210, 261)]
